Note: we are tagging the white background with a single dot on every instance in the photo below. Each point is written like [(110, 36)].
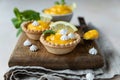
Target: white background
[(104, 14)]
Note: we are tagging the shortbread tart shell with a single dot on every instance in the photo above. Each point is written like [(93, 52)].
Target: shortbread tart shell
[(35, 35), (62, 48)]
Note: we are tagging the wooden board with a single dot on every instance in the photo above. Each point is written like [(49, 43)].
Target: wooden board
[(77, 59)]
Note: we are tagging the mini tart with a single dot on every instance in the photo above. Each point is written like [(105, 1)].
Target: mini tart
[(35, 35), (59, 49)]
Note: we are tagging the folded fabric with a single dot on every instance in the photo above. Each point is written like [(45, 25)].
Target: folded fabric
[(111, 67), (40, 73), (49, 77)]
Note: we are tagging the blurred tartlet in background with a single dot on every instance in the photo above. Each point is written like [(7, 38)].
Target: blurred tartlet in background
[(60, 11), (34, 29)]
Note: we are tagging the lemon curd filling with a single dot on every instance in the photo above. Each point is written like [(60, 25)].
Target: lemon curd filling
[(92, 34), (56, 39), (38, 26), (58, 10)]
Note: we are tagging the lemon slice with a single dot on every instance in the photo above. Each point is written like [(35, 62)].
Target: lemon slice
[(91, 34), (45, 17), (56, 26)]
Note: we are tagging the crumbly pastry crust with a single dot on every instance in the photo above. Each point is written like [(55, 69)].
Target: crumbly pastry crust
[(59, 48), (35, 35)]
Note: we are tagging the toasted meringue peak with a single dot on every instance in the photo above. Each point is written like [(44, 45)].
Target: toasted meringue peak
[(33, 48), (71, 36), (63, 31), (90, 76), (93, 51), (64, 37), (35, 23), (27, 43)]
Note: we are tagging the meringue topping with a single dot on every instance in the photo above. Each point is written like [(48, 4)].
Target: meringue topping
[(89, 76), (71, 35), (64, 37), (93, 51), (35, 23), (33, 48), (27, 43), (63, 31)]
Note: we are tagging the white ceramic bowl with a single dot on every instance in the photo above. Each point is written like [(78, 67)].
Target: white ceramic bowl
[(64, 17)]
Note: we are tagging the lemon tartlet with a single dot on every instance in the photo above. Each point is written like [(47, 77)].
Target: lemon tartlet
[(34, 29), (60, 47), (63, 41)]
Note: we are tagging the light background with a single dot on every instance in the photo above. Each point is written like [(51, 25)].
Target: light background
[(104, 14)]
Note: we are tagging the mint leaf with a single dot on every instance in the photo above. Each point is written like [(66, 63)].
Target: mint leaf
[(57, 3), (19, 32), (26, 15), (17, 13), (63, 2), (16, 22), (30, 15), (49, 32)]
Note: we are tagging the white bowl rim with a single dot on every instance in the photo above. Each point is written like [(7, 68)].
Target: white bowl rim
[(62, 14)]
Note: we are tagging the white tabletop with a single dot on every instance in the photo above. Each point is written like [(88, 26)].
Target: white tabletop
[(104, 14)]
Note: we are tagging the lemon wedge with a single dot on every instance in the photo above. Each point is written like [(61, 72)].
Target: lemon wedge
[(91, 34), (56, 26)]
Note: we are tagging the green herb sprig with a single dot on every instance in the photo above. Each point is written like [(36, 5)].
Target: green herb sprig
[(49, 32), (62, 2), (26, 15)]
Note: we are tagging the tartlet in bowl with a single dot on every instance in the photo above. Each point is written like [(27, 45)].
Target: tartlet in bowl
[(34, 29), (61, 11)]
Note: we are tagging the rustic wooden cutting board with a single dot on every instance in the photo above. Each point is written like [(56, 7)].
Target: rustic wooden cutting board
[(79, 58)]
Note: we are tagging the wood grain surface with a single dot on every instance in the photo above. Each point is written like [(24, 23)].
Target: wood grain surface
[(77, 59)]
